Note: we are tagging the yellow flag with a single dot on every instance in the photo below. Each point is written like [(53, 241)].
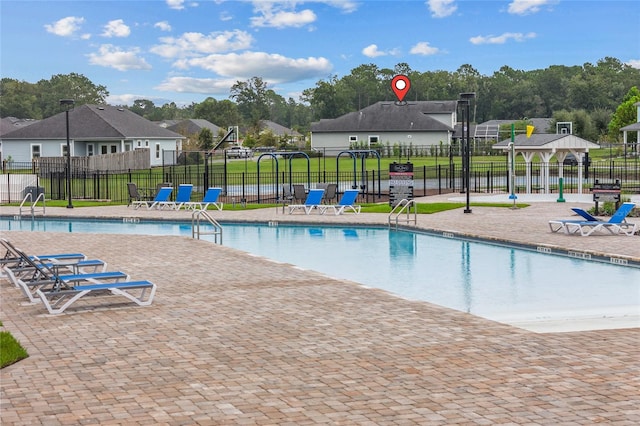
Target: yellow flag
[(529, 131)]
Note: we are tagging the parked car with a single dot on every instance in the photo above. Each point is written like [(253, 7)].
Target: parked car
[(570, 160), (239, 152)]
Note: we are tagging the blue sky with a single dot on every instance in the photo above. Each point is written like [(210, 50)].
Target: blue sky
[(185, 51)]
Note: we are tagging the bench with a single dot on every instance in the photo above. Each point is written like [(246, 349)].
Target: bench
[(606, 192)]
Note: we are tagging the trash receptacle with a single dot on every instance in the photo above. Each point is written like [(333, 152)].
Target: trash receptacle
[(35, 191)]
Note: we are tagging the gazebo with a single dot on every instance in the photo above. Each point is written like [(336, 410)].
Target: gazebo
[(546, 146)]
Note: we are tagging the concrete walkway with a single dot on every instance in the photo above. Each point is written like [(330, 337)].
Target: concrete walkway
[(237, 339)]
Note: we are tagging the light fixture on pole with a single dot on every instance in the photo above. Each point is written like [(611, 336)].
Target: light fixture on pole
[(465, 101), (68, 104)]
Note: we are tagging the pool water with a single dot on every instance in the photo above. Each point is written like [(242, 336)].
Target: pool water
[(486, 280)]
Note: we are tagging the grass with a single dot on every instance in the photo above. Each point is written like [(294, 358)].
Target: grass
[(10, 349)]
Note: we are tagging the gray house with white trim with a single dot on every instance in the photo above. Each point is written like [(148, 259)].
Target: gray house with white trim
[(93, 130), (420, 123)]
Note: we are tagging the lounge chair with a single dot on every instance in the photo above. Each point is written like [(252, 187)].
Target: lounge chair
[(183, 197), (347, 202), (313, 201), (615, 225), (33, 274), (58, 292), (557, 225), (210, 197), (162, 199)]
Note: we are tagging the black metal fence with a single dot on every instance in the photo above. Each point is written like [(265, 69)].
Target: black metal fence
[(266, 187)]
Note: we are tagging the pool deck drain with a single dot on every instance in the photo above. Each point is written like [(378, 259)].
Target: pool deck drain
[(237, 339)]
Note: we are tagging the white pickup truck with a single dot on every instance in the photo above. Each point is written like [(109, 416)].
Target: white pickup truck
[(239, 152)]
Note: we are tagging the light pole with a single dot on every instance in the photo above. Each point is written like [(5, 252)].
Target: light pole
[(465, 101), (68, 104)]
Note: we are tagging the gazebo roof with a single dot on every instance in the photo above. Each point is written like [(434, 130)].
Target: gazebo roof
[(547, 142)]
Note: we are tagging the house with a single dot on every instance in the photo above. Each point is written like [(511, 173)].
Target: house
[(9, 124), (421, 123), (93, 130), (280, 131)]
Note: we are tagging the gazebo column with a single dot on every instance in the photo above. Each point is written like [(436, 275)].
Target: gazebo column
[(545, 158), (528, 157)]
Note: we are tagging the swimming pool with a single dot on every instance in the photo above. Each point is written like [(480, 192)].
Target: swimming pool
[(490, 281)]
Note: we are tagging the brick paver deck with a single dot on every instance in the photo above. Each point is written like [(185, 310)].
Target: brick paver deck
[(237, 339)]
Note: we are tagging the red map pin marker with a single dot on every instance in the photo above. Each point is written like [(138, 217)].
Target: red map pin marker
[(400, 84)]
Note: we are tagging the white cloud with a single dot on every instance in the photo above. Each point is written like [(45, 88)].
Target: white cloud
[(423, 48), (162, 26), (525, 7), (113, 57), (273, 68), (116, 28), (372, 51), (65, 27), (209, 86), (441, 8), (635, 63), (501, 39), (193, 44), (175, 4), (284, 19)]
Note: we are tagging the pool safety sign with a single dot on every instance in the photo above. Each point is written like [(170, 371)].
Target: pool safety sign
[(400, 182)]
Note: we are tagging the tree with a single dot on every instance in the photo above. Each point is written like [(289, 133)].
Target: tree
[(70, 86), (205, 139), (251, 97), (625, 114)]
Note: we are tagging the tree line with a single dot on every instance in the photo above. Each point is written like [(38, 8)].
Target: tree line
[(598, 98)]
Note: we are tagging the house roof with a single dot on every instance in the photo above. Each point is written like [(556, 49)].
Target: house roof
[(192, 126), (9, 124), (491, 129), (89, 122), (547, 141), (277, 129), (390, 117), (635, 127)]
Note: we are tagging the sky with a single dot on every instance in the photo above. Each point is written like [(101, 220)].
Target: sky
[(185, 51)]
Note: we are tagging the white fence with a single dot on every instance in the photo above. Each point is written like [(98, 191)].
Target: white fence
[(12, 186)]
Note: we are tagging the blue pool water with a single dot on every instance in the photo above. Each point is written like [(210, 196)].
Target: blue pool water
[(486, 280)]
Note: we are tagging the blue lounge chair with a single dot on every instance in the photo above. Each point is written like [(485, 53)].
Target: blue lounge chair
[(617, 224), (313, 201), (210, 198), (162, 199), (347, 202), (183, 197), (557, 225), (58, 292)]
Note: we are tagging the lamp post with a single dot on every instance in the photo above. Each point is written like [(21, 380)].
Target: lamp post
[(68, 103), (465, 101)]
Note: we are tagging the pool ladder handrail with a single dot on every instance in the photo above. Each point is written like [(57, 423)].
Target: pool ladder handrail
[(33, 205), (403, 207), (196, 218)]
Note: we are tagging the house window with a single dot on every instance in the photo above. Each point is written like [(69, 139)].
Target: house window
[(63, 150), (90, 150), (353, 139), (139, 143), (373, 140), (35, 151), (146, 143), (157, 150), (127, 147), (114, 149)]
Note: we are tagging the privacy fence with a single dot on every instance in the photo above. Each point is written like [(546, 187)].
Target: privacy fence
[(267, 186)]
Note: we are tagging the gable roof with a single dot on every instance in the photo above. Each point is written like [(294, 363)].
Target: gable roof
[(192, 126), (277, 129), (9, 124), (94, 122), (390, 117)]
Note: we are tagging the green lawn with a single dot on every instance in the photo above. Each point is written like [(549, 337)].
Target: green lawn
[(10, 349)]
